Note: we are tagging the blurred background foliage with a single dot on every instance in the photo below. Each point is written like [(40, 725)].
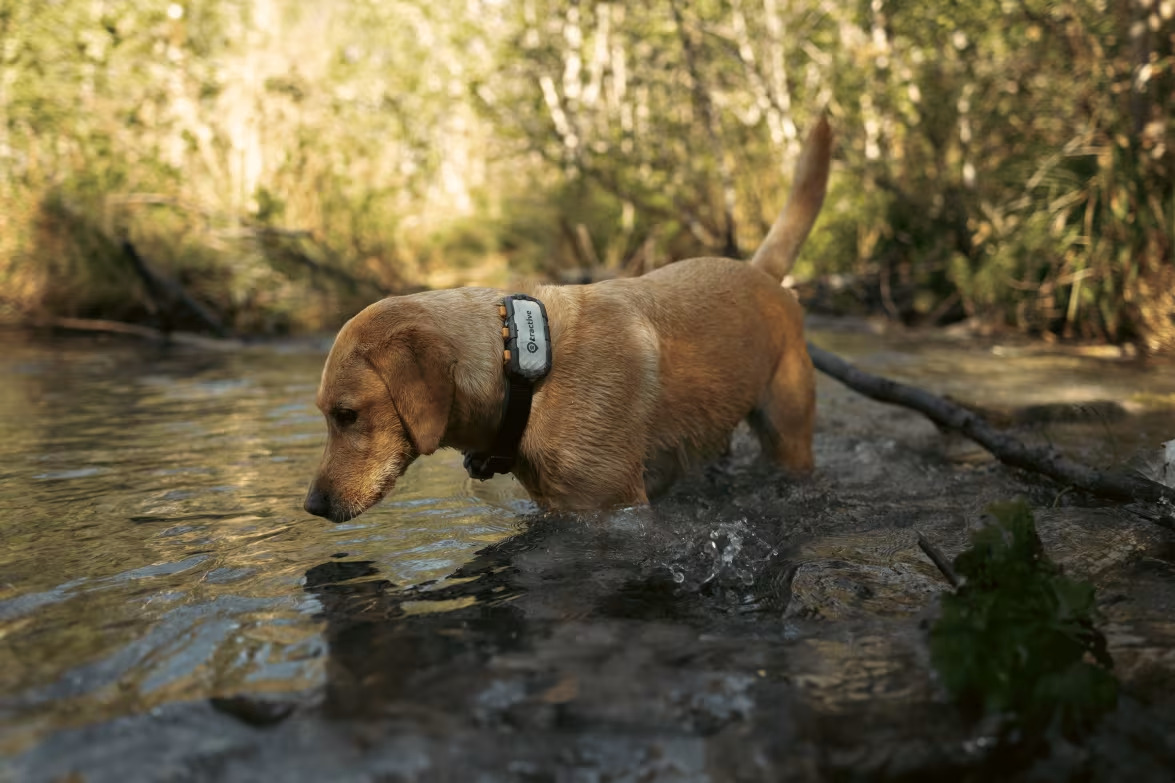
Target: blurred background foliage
[(283, 163)]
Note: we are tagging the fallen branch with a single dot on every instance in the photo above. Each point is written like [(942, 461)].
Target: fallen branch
[(166, 294), (939, 559), (1045, 460), (99, 326)]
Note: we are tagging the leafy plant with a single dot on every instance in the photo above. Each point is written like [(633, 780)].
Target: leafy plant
[(1017, 639)]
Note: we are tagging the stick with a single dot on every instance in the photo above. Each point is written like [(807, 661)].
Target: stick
[(136, 330), (1045, 460), (939, 559)]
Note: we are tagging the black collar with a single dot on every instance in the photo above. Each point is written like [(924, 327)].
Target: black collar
[(527, 359)]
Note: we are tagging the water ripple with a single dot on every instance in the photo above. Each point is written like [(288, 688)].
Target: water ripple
[(155, 546)]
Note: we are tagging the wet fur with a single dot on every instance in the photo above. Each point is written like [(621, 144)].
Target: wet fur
[(650, 375)]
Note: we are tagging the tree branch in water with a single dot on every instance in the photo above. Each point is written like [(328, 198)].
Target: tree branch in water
[(1045, 460)]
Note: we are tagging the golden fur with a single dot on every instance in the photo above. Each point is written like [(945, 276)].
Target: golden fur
[(649, 375)]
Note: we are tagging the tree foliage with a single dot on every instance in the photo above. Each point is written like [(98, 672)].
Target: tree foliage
[(1002, 160)]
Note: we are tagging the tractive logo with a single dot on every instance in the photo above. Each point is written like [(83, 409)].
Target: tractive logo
[(531, 346)]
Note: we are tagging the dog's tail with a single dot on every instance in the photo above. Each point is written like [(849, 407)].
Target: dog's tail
[(779, 250)]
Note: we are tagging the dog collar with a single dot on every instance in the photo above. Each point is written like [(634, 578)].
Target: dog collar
[(527, 359)]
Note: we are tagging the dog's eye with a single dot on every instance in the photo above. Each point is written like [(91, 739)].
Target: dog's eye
[(344, 417)]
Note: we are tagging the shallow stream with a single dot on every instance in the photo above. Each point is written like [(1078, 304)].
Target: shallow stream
[(155, 555)]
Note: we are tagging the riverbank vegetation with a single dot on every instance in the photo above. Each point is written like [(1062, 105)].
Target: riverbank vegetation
[(283, 163)]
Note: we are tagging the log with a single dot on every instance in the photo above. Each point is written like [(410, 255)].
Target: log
[(1045, 460), (99, 326)]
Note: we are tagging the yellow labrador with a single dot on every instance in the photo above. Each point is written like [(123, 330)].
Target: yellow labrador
[(649, 375)]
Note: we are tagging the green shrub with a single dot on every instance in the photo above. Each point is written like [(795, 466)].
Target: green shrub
[(1017, 639)]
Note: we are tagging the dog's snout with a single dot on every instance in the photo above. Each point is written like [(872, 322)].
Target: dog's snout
[(317, 502)]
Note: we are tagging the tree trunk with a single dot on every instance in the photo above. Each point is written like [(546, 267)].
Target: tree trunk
[(710, 123)]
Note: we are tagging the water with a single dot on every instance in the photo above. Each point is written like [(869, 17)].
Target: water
[(155, 554), (154, 542)]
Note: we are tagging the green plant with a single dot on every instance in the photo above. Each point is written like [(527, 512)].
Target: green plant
[(1017, 639)]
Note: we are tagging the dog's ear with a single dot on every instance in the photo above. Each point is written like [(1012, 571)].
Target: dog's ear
[(416, 366)]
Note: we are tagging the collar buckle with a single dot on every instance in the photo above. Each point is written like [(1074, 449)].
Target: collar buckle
[(483, 466)]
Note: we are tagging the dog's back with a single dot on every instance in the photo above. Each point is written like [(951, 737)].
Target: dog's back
[(659, 369), (731, 340)]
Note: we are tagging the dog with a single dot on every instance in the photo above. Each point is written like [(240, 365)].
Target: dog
[(649, 376)]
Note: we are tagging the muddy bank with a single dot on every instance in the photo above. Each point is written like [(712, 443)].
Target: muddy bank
[(746, 628)]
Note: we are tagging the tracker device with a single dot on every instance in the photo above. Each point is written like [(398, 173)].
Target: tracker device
[(528, 344), (527, 359)]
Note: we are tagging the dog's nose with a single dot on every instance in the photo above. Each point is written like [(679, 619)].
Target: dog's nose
[(317, 502)]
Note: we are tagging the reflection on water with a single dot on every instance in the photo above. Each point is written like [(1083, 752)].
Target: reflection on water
[(154, 542), (155, 551)]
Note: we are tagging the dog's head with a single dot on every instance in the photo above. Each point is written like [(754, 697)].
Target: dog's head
[(386, 392)]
